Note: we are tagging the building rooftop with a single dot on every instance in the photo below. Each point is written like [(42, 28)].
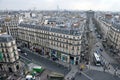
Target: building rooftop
[(69, 31), (114, 25), (6, 38)]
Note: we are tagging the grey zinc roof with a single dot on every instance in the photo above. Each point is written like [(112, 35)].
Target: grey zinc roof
[(6, 38), (116, 26), (53, 29)]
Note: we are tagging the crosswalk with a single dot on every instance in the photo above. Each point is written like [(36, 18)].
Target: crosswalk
[(94, 68), (72, 73)]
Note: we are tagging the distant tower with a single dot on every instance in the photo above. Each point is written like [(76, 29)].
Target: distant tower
[(58, 8), (90, 14)]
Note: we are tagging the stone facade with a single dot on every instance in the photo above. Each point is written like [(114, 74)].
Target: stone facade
[(65, 44), (9, 61)]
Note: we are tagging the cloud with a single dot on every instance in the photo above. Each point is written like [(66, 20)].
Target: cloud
[(63, 4)]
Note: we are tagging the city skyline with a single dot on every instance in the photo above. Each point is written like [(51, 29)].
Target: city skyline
[(102, 5)]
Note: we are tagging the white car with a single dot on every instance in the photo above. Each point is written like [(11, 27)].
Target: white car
[(19, 50), (25, 54)]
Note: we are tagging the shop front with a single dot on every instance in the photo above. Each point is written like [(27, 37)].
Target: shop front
[(74, 60), (64, 58), (58, 55), (71, 59), (53, 53)]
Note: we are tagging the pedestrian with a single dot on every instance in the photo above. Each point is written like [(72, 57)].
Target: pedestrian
[(104, 68), (47, 76), (80, 72), (67, 78), (73, 78), (115, 71)]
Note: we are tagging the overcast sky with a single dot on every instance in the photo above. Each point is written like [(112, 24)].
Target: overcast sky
[(106, 5)]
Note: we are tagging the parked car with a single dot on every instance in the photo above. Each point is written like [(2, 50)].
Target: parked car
[(55, 59), (25, 54), (101, 49), (19, 50)]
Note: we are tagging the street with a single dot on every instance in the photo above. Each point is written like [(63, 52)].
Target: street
[(93, 72), (95, 44), (50, 65), (95, 75)]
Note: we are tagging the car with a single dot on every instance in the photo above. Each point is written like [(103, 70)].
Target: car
[(101, 49), (97, 46), (55, 59), (25, 54), (19, 50)]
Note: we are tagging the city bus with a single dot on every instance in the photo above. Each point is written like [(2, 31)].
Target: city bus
[(97, 59)]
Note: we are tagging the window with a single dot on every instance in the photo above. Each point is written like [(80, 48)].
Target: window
[(11, 43), (5, 45), (1, 45), (51, 43), (7, 50), (13, 49), (60, 44), (66, 46), (3, 50), (77, 58), (57, 44), (8, 56), (63, 45), (77, 48), (72, 48)]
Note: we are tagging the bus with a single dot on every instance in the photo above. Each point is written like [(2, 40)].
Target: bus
[(30, 77), (55, 76), (97, 59)]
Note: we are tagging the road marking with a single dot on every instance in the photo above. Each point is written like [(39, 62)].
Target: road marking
[(25, 58), (86, 76)]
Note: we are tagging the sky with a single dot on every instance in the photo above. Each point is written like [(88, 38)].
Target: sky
[(102, 5)]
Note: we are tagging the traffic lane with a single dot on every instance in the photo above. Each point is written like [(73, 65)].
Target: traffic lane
[(98, 75), (103, 53), (80, 77), (47, 64), (50, 65)]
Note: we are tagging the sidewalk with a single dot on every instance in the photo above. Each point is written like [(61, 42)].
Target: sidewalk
[(63, 63)]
